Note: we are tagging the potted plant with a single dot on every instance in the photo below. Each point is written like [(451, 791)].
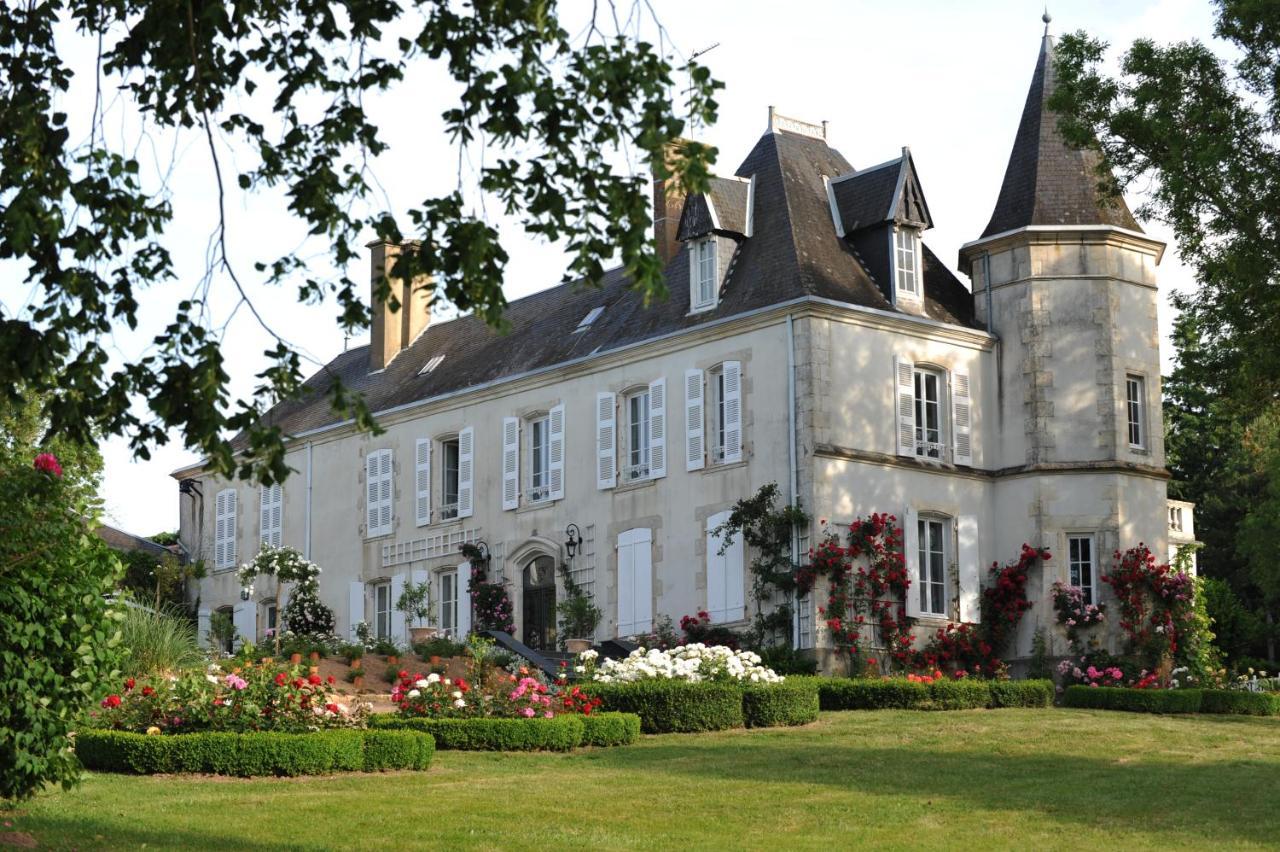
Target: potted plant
[(415, 602), (579, 616)]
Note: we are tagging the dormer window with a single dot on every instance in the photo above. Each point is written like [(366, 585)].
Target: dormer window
[(906, 263), (703, 278)]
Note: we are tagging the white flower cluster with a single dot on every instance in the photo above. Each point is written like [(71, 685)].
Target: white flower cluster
[(696, 662)]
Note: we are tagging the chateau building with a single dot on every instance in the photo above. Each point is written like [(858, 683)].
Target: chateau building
[(811, 338)]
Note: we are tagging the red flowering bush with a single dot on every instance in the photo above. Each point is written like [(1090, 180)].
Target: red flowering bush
[(47, 463), (1155, 602), (698, 628)]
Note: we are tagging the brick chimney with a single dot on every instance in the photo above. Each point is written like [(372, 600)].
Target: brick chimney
[(668, 202), (393, 330)]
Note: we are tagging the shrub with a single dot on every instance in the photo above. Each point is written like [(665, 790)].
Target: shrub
[(610, 729), (1021, 693), (261, 753), (58, 637), (694, 663), (561, 733), (958, 695), (1133, 700), (439, 647), (860, 694), (786, 660), (158, 642), (1240, 702), (790, 703), (674, 706)]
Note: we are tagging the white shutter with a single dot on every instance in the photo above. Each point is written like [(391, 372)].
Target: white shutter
[(968, 561), (556, 452), (202, 629), (464, 601), (378, 493), (606, 441), (961, 416), (905, 394), (658, 428), (422, 481), (271, 500), (732, 371), (726, 595), (911, 550), (245, 618), (466, 465), (635, 582), (397, 617), (219, 530), (226, 529), (694, 421), (355, 606), (510, 462)]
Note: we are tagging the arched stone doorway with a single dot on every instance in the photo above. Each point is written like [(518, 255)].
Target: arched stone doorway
[(538, 591)]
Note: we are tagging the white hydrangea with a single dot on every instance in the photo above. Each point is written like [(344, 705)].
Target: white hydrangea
[(695, 663)]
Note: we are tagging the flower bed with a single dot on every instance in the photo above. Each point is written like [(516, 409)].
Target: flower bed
[(561, 733), (1240, 702), (790, 703), (1133, 700), (673, 706), (251, 754), (694, 663), (922, 694)]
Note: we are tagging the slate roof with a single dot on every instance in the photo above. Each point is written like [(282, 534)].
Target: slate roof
[(884, 193), (794, 251), (1047, 182), (118, 539), (728, 198)]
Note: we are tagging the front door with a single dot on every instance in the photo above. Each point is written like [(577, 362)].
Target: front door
[(540, 604)]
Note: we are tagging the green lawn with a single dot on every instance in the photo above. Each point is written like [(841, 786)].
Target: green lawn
[(1007, 778)]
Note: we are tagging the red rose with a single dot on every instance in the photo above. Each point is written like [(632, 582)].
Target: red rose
[(147, 691), (281, 679), (47, 463), (314, 680), (129, 683), (112, 700), (331, 680), (299, 682)]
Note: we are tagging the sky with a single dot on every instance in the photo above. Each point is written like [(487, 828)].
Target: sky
[(948, 79)]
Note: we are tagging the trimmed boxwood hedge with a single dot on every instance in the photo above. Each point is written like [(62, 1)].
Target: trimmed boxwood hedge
[(1133, 700), (561, 733), (1239, 702), (261, 753), (610, 729), (899, 694), (674, 706), (793, 702)]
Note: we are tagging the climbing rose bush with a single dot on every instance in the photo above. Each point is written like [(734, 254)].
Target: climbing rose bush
[(694, 663)]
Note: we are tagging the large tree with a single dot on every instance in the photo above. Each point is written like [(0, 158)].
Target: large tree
[(286, 82), (1196, 128)]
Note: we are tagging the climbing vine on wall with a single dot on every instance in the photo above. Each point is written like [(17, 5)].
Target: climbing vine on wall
[(490, 604)]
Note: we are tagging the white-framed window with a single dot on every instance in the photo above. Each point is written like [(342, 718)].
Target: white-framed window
[(382, 610), (933, 536), (716, 415), (638, 458), (449, 469), (379, 493), (1080, 565), (270, 617), (1135, 409), (928, 413), (703, 277), (449, 602), (906, 262), (539, 432)]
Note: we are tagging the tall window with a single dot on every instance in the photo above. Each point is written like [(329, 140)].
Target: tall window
[(638, 435), (382, 610), (933, 566), (539, 459), (449, 480), (715, 427), (1080, 564), (928, 400), (906, 261), (1135, 395), (272, 614), (449, 602), (704, 274)]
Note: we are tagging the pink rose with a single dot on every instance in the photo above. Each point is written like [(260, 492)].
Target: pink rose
[(48, 463), (528, 712)]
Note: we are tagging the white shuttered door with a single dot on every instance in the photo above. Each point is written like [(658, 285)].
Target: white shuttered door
[(466, 468), (397, 617), (911, 550), (732, 411), (555, 453), (658, 428), (726, 595), (606, 441), (464, 601), (694, 421), (510, 462), (969, 562), (635, 582), (422, 481)]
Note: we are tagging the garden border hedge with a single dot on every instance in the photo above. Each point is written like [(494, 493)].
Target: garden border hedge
[(674, 706), (560, 733), (1239, 702), (900, 694), (792, 702), (610, 729), (254, 754), (1133, 700)]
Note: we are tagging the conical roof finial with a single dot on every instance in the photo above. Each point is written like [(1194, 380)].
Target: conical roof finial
[(1046, 17)]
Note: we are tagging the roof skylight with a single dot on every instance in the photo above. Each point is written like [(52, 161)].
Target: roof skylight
[(431, 365), (590, 318)]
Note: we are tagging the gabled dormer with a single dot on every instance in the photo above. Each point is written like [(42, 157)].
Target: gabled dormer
[(881, 211), (712, 226)]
